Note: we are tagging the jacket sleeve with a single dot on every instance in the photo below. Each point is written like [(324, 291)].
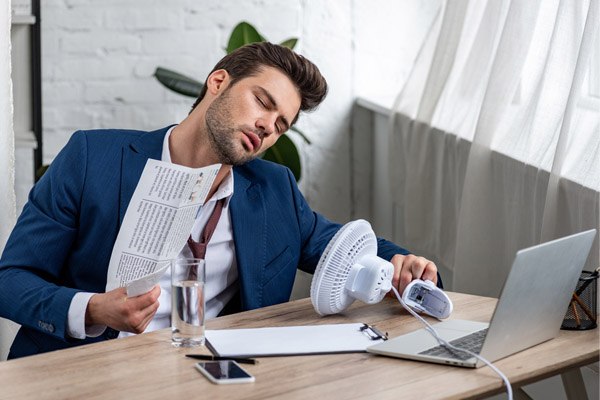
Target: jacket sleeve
[(40, 243), (315, 230)]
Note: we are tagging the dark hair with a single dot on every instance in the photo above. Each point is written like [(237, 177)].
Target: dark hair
[(248, 61)]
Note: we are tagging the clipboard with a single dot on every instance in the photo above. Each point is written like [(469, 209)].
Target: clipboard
[(293, 340)]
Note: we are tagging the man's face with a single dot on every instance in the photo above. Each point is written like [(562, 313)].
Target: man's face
[(248, 117)]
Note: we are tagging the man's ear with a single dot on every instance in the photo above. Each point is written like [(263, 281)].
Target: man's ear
[(217, 81)]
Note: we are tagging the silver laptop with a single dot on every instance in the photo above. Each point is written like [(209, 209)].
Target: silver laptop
[(530, 309)]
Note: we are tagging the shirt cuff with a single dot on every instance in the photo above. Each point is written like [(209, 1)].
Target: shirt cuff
[(76, 318)]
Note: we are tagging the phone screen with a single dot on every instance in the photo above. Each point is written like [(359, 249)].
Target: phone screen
[(227, 371)]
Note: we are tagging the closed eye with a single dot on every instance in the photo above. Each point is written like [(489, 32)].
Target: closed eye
[(271, 104), (264, 105)]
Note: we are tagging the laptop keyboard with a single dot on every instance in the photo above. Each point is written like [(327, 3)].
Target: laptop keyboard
[(471, 342)]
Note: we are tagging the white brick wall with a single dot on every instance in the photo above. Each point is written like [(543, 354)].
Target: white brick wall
[(99, 56)]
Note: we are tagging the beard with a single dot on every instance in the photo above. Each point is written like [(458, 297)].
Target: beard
[(223, 136)]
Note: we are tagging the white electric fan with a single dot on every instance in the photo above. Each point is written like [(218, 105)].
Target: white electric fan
[(350, 269)]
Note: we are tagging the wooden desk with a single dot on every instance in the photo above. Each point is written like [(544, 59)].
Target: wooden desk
[(148, 367)]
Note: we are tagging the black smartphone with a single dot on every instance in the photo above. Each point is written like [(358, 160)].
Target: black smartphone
[(227, 371)]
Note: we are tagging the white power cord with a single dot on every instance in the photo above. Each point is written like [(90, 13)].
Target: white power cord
[(444, 343)]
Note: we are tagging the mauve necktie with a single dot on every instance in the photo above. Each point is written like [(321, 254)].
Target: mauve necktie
[(199, 248)]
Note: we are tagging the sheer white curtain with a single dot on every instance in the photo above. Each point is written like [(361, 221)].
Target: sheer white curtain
[(495, 139), (7, 155)]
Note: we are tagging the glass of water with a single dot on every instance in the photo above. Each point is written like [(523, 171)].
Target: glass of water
[(187, 302)]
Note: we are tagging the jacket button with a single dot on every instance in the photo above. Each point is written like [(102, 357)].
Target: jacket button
[(45, 326), (111, 333)]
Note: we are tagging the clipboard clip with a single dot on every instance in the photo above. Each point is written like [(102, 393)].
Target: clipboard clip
[(373, 333)]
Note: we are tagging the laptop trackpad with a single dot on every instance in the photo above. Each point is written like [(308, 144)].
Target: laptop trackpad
[(417, 341)]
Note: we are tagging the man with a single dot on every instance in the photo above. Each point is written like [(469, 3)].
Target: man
[(53, 269)]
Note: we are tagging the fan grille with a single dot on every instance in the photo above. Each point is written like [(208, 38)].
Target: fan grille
[(353, 241)]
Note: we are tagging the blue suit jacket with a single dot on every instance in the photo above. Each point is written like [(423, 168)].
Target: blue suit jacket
[(63, 239)]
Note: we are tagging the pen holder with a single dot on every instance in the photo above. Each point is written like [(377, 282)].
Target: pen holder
[(582, 311)]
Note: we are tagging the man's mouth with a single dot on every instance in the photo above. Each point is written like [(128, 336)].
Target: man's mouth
[(252, 140)]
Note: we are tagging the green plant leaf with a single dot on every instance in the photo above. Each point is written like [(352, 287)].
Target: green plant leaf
[(178, 83), (302, 135), (243, 34), (290, 43), (284, 152)]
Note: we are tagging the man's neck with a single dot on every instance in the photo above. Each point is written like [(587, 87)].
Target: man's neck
[(223, 171), (190, 148)]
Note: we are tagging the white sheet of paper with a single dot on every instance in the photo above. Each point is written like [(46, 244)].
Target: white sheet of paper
[(290, 340), (145, 283)]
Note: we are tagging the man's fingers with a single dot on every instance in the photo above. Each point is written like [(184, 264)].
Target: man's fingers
[(405, 279), (138, 311), (151, 309), (430, 272), (138, 319), (144, 300), (410, 267), (398, 261), (148, 313), (148, 305), (417, 267)]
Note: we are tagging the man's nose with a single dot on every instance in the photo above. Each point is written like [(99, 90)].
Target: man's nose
[(266, 124)]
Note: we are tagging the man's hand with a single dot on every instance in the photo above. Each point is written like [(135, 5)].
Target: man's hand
[(409, 267), (116, 310)]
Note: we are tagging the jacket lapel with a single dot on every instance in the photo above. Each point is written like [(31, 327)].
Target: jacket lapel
[(248, 214), (133, 161), (248, 217)]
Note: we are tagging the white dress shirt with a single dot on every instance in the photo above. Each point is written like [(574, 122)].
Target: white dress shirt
[(221, 267)]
